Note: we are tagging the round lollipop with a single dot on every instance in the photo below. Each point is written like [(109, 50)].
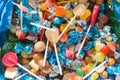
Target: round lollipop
[(78, 10), (10, 59)]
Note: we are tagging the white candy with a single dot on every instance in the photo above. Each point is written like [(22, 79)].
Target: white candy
[(34, 65), (11, 72)]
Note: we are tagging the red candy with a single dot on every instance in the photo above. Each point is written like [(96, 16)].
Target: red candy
[(6, 60), (105, 49), (69, 53)]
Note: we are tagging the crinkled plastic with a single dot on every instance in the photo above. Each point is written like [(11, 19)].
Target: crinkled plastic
[(6, 9), (116, 9)]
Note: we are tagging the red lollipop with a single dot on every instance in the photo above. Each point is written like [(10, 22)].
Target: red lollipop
[(6, 60), (105, 49), (10, 59)]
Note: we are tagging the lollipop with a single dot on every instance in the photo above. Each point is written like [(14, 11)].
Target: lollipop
[(52, 37), (93, 19), (78, 10), (10, 59)]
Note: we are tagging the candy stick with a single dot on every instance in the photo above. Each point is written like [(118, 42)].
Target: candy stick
[(24, 68), (20, 76), (46, 53), (57, 58), (65, 28), (41, 26), (21, 7), (94, 69), (93, 19)]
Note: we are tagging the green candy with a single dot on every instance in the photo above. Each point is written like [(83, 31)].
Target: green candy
[(79, 72), (24, 54)]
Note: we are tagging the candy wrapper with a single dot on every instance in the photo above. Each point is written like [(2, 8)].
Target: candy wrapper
[(61, 40)]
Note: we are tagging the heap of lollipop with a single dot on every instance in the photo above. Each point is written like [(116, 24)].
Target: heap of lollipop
[(71, 42)]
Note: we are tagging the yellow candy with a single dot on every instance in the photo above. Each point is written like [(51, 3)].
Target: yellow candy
[(62, 27), (94, 76), (99, 56), (98, 46), (69, 14), (90, 66), (86, 15), (118, 1), (44, 7), (109, 38)]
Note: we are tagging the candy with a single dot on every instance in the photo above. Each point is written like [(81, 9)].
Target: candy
[(117, 77), (39, 46), (62, 27), (99, 2), (111, 61), (11, 72), (105, 49), (79, 72), (37, 57), (104, 75), (34, 71), (34, 65), (64, 37), (66, 76), (52, 35), (94, 76), (60, 12), (99, 56), (7, 62)]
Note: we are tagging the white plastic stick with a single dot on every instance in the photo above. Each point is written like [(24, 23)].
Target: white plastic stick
[(25, 69), (14, 3), (81, 46), (94, 69), (41, 26), (57, 58), (20, 76), (65, 28), (45, 53), (21, 17)]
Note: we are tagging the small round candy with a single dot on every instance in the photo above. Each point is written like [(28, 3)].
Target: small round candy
[(37, 57), (111, 61), (105, 49), (52, 35), (66, 76), (64, 38), (79, 72), (62, 27), (98, 46), (90, 66), (104, 75), (103, 19), (94, 76), (85, 70), (88, 59), (99, 56), (69, 14), (69, 53), (33, 71), (6, 60), (39, 46)]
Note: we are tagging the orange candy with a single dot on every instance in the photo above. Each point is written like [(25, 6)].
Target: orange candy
[(111, 61), (64, 37), (60, 12)]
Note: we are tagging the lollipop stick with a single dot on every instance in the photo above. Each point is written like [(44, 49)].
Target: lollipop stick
[(20, 76), (65, 28), (46, 53), (57, 58), (24, 68), (83, 41), (41, 26), (94, 70)]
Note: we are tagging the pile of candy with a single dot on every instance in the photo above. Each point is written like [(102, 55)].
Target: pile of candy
[(71, 42)]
